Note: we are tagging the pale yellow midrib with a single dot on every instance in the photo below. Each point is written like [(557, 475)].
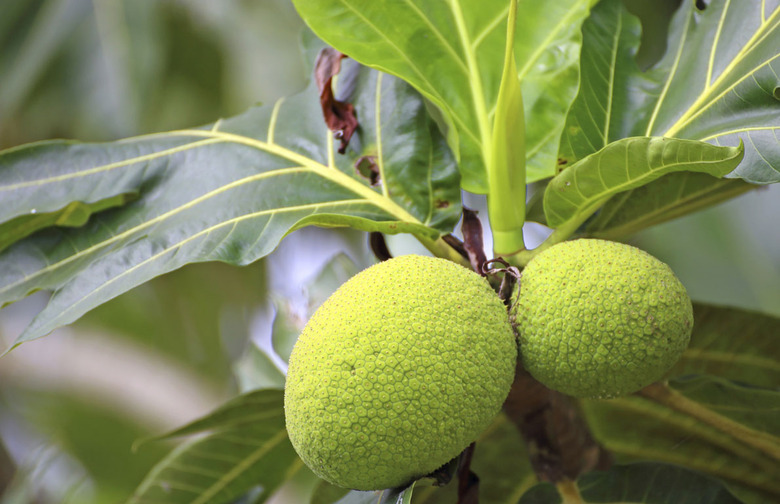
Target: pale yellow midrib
[(649, 173), (109, 166), (179, 244), (331, 174), (368, 195), (696, 107), (477, 93)]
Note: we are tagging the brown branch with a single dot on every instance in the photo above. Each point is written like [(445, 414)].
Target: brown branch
[(468, 482), (559, 442)]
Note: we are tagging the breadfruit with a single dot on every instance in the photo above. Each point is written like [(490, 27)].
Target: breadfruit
[(398, 372), (599, 319)]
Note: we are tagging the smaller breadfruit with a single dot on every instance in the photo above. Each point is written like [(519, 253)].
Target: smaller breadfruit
[(600, 319), (398, 372)]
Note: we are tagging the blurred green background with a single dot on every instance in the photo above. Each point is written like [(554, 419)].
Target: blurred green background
[(72, 404)]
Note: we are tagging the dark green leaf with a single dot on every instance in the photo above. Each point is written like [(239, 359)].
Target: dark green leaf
[(734, 344), (452, 52), (245, 445), (667, 198), (579, 190), (718, 83), (635, 429), (228, 192), (647, 483), (609, 36), (257, 405), (753, 407), (547, 46)]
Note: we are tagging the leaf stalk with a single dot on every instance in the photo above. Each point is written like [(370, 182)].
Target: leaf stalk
[(665, 395)]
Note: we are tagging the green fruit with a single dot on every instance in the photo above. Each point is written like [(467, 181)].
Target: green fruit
[(397, 372), (600, 319)]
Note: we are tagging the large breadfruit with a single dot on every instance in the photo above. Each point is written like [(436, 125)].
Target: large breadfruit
[(599, 319), (397, 372)]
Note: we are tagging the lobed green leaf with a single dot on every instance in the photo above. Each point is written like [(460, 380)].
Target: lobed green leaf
[(452, 52), (227, 192), (648, 483), (246, 445), (717, 83), (667, 198), (575, 193), (634, 429), (735, 344), (751, 406)]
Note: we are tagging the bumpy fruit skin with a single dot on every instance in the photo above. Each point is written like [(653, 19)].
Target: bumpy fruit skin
[(397, 372), (599, 319)]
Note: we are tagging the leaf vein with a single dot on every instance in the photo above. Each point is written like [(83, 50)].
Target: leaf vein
[(179, 244), (110, 166), (489, 28), (439, 35), (241, 467), (668, 83)]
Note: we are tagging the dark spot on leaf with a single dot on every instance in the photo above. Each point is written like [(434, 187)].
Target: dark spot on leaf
[(339, 116), (442, 203), (701, 4), (560, 165), (366, 166)]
